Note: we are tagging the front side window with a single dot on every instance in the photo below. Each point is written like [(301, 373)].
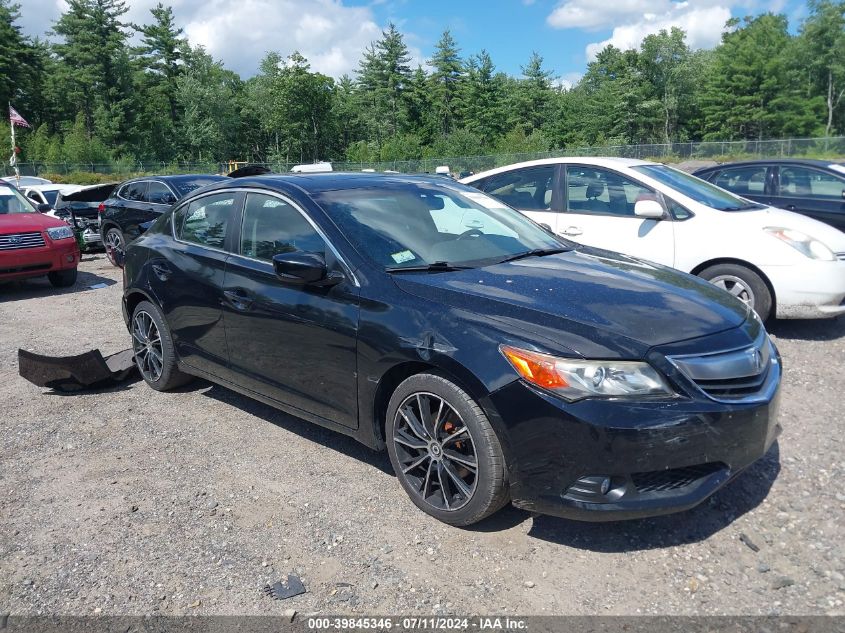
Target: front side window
[(422, 223), (272, 227), (802, 182), (205, 221), (601, 191), (743, 180), (159, 193), (527, 189)]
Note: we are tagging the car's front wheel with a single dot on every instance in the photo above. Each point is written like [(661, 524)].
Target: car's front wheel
[(744, 284), (444, 451), (62, 278), (155, 355)]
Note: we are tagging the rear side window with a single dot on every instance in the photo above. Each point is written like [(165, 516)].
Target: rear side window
[(134, 190), (206, 220), (529, 188), (272, 227), (743, 180), (802, 182)]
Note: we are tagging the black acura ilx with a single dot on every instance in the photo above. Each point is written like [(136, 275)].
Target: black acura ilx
[(494, 361)]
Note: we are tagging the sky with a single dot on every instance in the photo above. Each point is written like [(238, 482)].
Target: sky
[(332, 33)]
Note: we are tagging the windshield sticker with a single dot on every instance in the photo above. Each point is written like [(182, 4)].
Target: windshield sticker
[(485, 201), (403, 256)]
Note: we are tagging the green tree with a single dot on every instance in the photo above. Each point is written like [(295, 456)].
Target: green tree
[(484, 111), (534, 95), (160, 52), (664, 59), (822, 49), (446, 80)]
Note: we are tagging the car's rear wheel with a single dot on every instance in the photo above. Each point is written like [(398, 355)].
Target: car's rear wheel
[(62, 278), (114, 243), (155, 354), (743, 283), (444, 451)]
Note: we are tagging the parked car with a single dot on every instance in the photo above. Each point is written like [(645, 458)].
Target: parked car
[(47, 194), (33, 244), (139, 201), (492, 360), (815, 188), (782, 264), (81, 209)]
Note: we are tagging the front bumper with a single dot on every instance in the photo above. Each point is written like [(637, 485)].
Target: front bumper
[(811, 290), (649, 457), (34, 262)]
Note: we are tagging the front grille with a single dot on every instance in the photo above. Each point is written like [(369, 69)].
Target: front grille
[(667, 480), (734, 375), (16, 241)]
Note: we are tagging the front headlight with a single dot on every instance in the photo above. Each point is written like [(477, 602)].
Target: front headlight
[(575, 379), (806, 245), (60, 232)]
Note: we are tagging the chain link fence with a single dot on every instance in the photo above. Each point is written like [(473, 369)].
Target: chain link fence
[(720, 151)]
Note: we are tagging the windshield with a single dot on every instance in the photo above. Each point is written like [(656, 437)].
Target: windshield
[(13, 201), (50, 196), (699, 190), (411, 225)]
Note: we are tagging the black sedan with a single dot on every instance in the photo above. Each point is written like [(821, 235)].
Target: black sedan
[(812, 187), (493, 360), (139, 201)]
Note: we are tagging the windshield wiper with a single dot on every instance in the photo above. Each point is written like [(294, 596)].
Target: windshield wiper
[(537, 252), (436, 267)]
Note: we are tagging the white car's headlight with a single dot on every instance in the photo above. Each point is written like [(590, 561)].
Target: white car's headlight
[(575, 379), (803, 243), (60, 232)]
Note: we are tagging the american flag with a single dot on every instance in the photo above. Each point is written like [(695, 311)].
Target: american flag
[(17, 119)]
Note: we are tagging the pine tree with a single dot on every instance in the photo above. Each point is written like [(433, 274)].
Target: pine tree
[(446, 80), (822, 48)]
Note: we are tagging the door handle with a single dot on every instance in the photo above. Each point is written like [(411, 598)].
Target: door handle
[(162, 272), (573, 230), (239, 299)]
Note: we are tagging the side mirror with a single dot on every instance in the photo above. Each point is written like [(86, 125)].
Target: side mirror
[(546, 227), (650, 209), (300, 268), (43, 207)]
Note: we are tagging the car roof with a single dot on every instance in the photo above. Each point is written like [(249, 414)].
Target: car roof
[(812, 162), (53, 187), (315, 183), (595, 161), (179, 178)]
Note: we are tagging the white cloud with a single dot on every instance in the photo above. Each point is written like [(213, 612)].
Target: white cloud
[(239, 32), (632, 20)]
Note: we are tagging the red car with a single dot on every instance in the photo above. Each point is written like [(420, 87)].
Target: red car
[(33, 244)]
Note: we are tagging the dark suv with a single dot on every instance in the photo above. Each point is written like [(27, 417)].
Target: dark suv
[(139, 201)]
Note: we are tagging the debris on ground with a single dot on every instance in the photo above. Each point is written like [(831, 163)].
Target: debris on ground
[(75, 373), (282, 591)]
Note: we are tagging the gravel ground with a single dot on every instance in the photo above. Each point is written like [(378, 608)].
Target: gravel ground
[(137, 502)]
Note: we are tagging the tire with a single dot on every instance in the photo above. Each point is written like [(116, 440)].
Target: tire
[(485, 491), (113, 240), (744, 284), (156, 362), (62, 278)]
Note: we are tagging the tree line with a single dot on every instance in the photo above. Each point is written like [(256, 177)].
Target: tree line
[(103, 89)]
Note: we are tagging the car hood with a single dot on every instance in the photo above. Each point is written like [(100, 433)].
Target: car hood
[(832, 237), (27, 222), (592, 302)]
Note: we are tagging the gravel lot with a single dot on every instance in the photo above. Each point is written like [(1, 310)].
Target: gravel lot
[(135, 502)]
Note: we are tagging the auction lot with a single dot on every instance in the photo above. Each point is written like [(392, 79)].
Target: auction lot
[(134, 501)]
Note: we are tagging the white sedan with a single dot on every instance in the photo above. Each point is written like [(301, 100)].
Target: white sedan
[(780, 263)]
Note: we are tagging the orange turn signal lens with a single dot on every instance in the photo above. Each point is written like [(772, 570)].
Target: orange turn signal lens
[(536, 368)]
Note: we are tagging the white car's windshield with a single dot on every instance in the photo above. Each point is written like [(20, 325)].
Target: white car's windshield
[(699, 190), (413, 225), (13, 201)]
